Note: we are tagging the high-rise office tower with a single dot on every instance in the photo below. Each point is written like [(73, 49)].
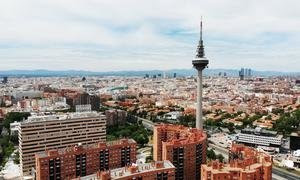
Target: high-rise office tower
[(81, 160), (183, 146), (40, 133), (200, 63), (245, 73), (5, 80), (249, 73), (242, 74)]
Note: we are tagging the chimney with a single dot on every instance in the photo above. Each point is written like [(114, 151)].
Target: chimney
[(133, 169), (78, 147), (103, 175), (52, 153), (215, 164), (159, 164)]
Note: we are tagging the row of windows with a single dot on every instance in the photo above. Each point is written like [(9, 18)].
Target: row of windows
[(259, 137)]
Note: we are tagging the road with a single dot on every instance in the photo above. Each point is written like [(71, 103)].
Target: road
[(278, 174), (219, 150), (146, 123)]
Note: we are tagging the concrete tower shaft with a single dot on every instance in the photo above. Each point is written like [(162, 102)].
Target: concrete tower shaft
[(200, 63)]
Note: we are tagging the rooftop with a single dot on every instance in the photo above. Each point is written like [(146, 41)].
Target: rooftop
[(259, 131), (75, 115), (127, 171), (242, 158), (81, 147), (132, 170), (185, 134)]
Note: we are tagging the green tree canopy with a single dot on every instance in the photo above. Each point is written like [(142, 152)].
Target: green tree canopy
[(14, 116), (288, 122)]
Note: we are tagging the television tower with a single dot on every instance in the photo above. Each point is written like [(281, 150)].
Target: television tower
[(200, 63)]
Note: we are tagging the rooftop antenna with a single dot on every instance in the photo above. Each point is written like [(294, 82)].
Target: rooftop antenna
[(201, 31), (200, 49)]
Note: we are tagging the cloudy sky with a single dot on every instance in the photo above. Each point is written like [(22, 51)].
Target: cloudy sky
[(105, 35)]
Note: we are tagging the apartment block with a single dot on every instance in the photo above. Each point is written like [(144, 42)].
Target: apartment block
[(259, 137), (184, 147), (80, 161), (245, 163), (115, 117), (159, 170), (41, 133)]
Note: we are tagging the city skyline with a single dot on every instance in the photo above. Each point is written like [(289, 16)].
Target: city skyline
[(159, 113), (137, 35)]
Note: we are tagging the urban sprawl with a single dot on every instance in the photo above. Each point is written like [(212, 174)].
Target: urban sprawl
[(156, 127)]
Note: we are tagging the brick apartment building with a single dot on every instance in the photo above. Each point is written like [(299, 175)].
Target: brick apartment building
[(184, 147), (78, 98), (245, 163), (81, 161), (159, 170), (115, 117)]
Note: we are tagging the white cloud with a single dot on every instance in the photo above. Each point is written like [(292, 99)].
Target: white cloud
[(136, 34)]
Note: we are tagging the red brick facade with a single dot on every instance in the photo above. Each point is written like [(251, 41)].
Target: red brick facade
[(245, 163), (82, 161), (160, 170), (184, 147)]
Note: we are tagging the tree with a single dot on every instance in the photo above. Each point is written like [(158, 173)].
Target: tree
[(288, 122), (160, 113), (103, 109), (210, 122), (239, 113), (220, 157), (16, 158), (248, 121), (7, 148), (230, 126), (14, 116), (269, 117), (277, 111), (226, 116), (187, 120), (149, 159), (211, 155), (140, 139), (134, 131), (14, 138)]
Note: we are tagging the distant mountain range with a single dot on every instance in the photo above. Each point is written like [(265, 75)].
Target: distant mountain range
[(179, 72)]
